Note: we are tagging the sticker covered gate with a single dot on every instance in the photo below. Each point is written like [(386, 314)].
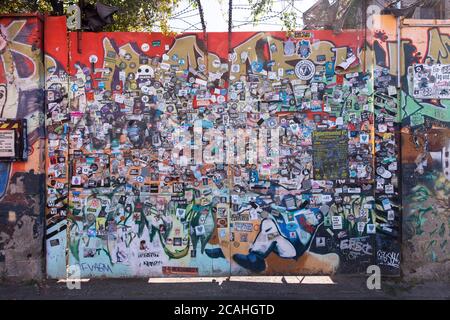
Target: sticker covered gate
[(169, 156)]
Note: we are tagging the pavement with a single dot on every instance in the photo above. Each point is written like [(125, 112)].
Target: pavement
[(340, 287)]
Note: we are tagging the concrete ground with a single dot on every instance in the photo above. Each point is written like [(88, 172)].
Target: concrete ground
[(237, 288)]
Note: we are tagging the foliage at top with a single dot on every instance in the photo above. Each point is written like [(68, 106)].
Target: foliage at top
[(133, 15)]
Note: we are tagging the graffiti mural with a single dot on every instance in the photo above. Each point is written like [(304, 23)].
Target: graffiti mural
[(170, 156), (21, 192), (424, 120), (180, 156)]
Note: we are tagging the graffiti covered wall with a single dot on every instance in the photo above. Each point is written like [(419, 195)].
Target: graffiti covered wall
[(169, 156), (425, 149), (424, 119), (127, 196), (21, 183)]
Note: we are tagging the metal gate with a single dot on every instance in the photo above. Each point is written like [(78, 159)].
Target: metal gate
[(172, 156)]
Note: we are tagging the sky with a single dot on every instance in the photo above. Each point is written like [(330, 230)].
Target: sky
[(185, 18)]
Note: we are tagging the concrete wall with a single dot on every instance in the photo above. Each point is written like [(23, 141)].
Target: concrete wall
[(22, 183)]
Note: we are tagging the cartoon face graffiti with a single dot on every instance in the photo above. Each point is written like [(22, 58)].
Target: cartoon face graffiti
[(145, 72)]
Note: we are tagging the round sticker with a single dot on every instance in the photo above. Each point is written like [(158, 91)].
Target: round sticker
[(156, 85), (305, 69), (272, 123), (383, 172), (145, 47), (220, 99), (93, 58)]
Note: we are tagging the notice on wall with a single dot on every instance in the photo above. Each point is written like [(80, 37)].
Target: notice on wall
[(13, 140), (330, 151), (431, 82), (7, 143)]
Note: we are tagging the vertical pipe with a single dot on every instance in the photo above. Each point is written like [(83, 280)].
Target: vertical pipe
[(399, 136), (81, 6), (399, 5)]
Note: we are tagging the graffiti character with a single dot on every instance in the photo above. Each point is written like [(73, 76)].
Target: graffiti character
[(287, 233)]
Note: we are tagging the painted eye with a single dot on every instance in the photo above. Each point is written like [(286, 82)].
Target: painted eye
[(147, 70), (139, 70)]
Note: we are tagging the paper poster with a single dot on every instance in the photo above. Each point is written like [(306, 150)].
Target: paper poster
[(336, 222), (13, 140), (330, 152), (7, 143), (431, 82)]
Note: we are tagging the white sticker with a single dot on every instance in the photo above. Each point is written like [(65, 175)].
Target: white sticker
[(320, 242), (93, 58), (76, 180), (305, 70), (7, 143), (145, 47), (272, 75), (371, 228), (391, 215), (361, 226), (200, 230), (201, 82), (392, 90), (336, 222), (165, 66), (235, 68), (119, 98)]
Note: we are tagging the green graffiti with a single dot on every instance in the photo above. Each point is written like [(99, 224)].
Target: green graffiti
[(410, 107)]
